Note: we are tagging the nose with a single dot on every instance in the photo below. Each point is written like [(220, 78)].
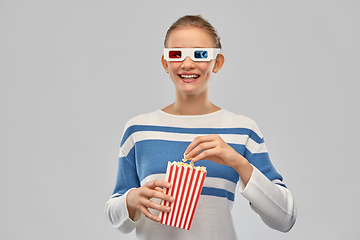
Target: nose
[(188, 63)]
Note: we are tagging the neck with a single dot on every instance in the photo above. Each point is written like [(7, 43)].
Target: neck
[(191, 105)]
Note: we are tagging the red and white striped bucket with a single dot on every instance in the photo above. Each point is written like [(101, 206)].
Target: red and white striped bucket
[(186, 184)]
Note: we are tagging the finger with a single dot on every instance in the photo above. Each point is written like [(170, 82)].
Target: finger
[(155, 206), (201, 147), (159, 189), (158, 183), (149, 193), (193, 144), (205, 155), (146, 204), (198, 140), (148, 214)]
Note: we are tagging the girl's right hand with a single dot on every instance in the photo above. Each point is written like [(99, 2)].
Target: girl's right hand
[(138, 199)]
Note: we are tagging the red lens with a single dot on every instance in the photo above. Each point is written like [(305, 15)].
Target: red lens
[(174, 54)]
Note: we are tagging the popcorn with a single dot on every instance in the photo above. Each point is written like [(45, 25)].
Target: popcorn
[(186, 185), (186, 159)]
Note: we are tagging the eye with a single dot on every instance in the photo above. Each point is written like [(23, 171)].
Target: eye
[(200, 54), (174, 54)]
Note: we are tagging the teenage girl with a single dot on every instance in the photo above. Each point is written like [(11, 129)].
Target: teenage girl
[(229, 145)]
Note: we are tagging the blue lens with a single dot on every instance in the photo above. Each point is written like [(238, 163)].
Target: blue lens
[(200, 54)]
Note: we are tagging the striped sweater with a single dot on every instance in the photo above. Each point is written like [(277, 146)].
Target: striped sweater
[(151, 140)]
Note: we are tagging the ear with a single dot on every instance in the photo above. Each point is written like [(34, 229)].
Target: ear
[(164, 63), (219, 62)]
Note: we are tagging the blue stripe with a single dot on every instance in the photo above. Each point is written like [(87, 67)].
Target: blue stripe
[(218, 193), (117, 196), (262, 162), (237, 131), (126, 176), (149, 160), (281, 184), (153, 156)]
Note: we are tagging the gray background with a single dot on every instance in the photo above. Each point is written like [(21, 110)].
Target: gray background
[(73, 72)]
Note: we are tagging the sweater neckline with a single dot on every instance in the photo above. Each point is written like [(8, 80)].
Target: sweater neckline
[(192, 116)]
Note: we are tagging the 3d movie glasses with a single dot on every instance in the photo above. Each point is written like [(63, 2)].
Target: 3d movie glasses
[(196, 54)]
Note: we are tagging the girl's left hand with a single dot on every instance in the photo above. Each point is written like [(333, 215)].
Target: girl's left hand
[(214, 148)]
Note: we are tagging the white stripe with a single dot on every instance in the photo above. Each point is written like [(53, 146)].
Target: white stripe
[(261, 149), (220, 183), (221, 119), (206, 200), (121, 154), (251, 145), (160, 176)]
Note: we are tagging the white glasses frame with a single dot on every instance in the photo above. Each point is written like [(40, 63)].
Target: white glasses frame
[(191, 52)]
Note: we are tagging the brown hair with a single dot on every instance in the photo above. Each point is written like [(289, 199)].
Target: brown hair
[(195, 21)]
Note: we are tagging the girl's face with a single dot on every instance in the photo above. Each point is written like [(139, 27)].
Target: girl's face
[(188, 76)]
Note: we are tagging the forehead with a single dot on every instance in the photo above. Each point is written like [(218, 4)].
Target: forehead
[(189, 37)]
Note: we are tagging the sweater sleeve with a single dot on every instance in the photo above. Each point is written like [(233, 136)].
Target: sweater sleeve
[(116, 209), (273, 202), (266, 192), (118, 215)]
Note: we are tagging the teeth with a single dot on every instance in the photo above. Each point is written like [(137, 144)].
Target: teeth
[(188, 76)]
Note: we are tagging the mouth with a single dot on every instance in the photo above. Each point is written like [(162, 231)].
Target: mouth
[(189, 77)]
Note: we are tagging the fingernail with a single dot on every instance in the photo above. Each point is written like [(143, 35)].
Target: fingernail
[(168, 209), (171, 199)]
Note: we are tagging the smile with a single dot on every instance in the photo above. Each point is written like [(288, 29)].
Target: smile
[(189, 76)]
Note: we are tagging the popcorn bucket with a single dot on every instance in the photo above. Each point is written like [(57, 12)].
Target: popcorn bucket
[(186, 184)]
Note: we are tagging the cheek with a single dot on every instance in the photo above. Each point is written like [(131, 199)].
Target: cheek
[(173, 66), (206, 66), (172, 70), (173, 76), (208, 73)]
